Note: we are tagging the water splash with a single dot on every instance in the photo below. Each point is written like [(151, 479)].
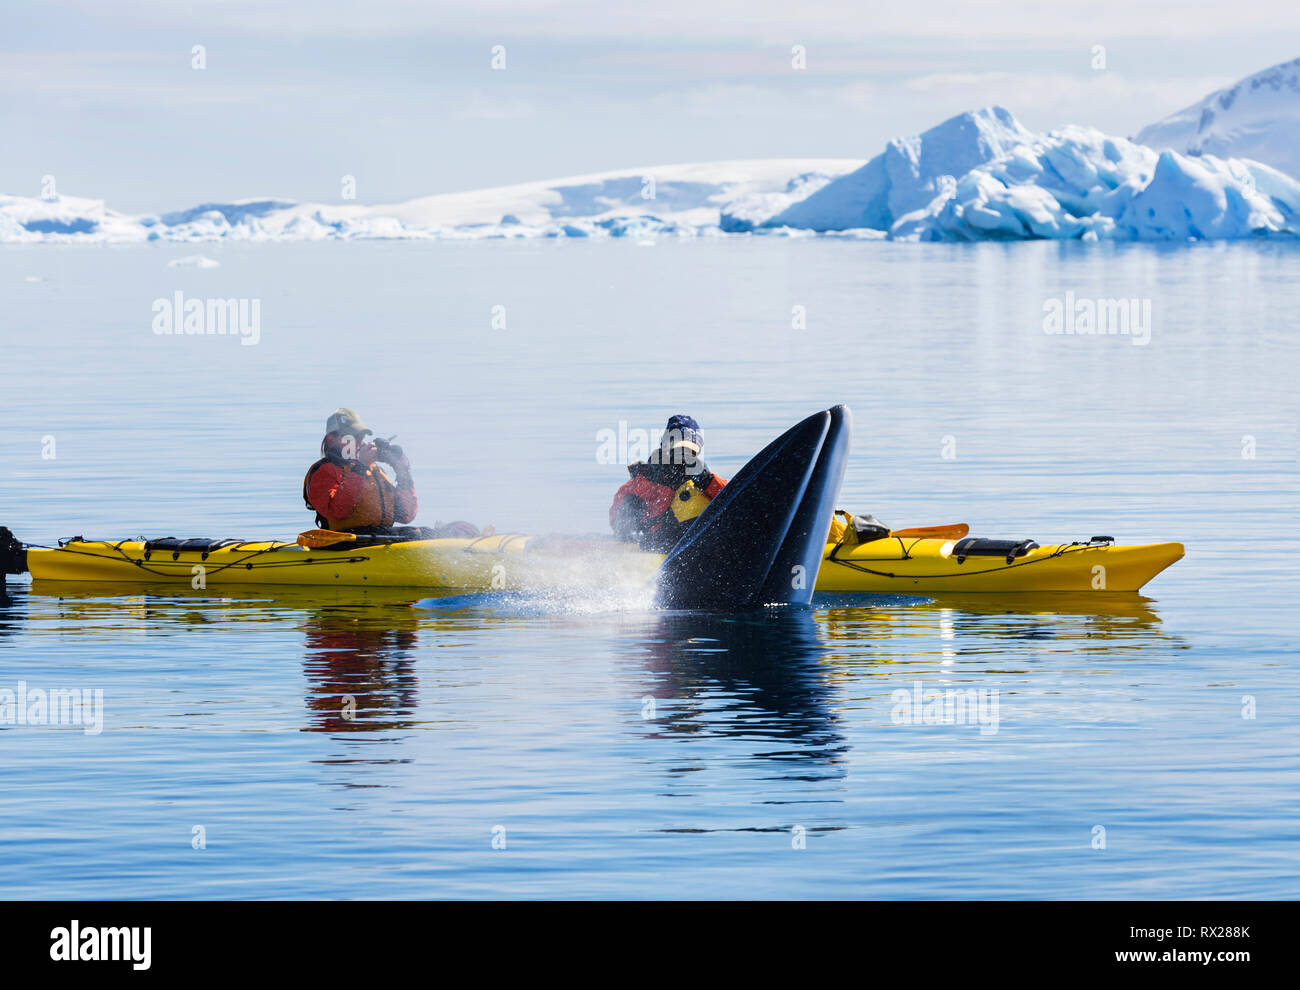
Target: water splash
[(556, 600)]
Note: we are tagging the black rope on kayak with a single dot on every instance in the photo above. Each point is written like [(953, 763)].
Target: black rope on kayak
[(133, 561), (243, 562), (852, 565), (505, 540), (904, 548), (272, 564)]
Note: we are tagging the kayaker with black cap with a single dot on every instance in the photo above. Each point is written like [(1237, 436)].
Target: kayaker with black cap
[(667, 491), (348, 488)]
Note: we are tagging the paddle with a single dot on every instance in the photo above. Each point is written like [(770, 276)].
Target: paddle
[(317, 539), (953, 531)]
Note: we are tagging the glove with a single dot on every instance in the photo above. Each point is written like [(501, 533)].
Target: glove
[(392, 454), (627, 518)]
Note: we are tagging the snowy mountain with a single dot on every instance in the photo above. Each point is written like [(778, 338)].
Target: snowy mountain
[(1256, 118), (678, 199), (978, 176), (982, 176)]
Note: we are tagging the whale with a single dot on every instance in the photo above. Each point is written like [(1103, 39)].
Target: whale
[(760, 542)]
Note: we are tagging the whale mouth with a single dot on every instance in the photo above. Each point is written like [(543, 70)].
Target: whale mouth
[(761, 541)]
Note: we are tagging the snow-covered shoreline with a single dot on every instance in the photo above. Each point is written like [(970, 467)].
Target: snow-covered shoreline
[(978, 176), (675, 200)]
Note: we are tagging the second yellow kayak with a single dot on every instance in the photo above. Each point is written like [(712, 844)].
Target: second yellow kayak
[(905, 565)]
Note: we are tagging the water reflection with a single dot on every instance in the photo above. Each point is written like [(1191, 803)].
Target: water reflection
[(772, 678), (10, 612), (358, 646), (948, 629), (756, 676), (360, 667)]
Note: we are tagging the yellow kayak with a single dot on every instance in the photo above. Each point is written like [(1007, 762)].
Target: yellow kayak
[(894, 564), (498, 562), (917, 565)]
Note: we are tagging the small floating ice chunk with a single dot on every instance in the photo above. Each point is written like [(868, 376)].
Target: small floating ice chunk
[(194, 261)]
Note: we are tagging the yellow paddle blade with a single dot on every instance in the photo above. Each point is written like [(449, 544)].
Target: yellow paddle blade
[(953, 531), (315, 539)]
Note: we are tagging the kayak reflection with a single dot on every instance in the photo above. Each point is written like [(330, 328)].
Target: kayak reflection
[(1051, 615), (870, 635), (776, 676), (359, 645), (359, 662), (10, 612), (755, 675)]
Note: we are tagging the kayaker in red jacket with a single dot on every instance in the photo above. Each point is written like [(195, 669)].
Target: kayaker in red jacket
[(667, 490), (348, 488)]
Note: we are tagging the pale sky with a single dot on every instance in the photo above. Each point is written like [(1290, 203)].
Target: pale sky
[(403, 95)]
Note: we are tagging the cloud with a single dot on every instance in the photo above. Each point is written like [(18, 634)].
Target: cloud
[(689, 21), (1108, 99), (479, 105), (795, 97)]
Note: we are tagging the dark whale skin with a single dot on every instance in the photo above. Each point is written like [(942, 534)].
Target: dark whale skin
[(761, 541)]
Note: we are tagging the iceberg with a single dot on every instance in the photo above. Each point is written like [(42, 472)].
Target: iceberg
[(25, 220), (907, 175), (982, 176)]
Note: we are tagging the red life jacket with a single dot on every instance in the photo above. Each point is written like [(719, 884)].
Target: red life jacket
[(661, 501), (348, 494)]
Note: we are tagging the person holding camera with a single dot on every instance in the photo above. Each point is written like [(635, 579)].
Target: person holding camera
[(667, 491), (348, 489)]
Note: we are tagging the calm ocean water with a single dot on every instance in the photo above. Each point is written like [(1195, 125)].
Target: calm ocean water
[(577, 744)]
